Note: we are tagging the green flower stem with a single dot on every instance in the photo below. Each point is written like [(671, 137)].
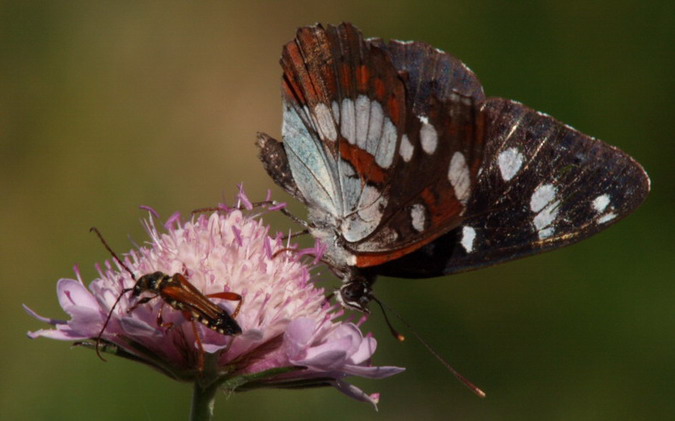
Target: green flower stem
[(203, 401), (204, 393)]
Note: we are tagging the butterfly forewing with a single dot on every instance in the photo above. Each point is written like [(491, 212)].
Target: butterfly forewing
[(354, 123), (407, 169), (543, 185)]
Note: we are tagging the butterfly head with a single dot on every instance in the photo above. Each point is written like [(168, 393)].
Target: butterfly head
[(357, 290), (355, 295)]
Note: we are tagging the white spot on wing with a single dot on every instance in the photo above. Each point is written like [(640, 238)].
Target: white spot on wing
[(348, 120), (325, 122), (606, 217), (542, 196), (406, 149), (375, 123), (362, 109), (509, 162), (600, 203), (459, 177), (385, 152), (418, 217), (545, 233), (545, 206), (428, 136), (468, 237), (543, 221)]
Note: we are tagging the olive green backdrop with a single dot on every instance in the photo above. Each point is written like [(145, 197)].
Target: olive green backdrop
[(105, 106)]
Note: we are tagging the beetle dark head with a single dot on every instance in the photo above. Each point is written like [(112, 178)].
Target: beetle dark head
[(149, 282), (227, 325)]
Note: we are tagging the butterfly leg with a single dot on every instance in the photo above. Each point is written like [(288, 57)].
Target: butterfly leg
[(283, 250), (295, 234), (329, 297), (223, 207), (210, 209), (295, 219)]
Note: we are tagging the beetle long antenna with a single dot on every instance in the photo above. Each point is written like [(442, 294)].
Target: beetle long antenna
[(114, 255), (475, 389), (107, 320), (119, 297)]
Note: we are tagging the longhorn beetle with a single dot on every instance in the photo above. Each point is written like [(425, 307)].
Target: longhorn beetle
[(180, 294)]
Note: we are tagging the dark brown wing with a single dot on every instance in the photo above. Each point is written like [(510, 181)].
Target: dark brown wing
[(543, 185)]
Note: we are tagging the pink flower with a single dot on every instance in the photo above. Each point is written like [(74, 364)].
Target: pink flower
[(290, 336)]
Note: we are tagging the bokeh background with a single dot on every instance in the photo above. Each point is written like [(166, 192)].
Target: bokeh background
[(105, 106)]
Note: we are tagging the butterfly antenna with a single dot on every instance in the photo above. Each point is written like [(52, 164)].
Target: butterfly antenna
[(475, 389), (399, 337), (119, 297)]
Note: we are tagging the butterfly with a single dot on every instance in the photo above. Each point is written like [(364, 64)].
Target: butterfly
[(408, 170)]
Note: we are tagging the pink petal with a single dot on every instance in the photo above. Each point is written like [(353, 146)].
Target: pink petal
[(244, 198), (356, 393), (62, 334), (151, 210), (173, 219), (298, 335), (373, 372), (73, 296), (366, 350), (137, 327), (326, 361), (41, 318)]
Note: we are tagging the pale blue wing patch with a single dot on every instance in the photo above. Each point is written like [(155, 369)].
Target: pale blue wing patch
[(308, 162)]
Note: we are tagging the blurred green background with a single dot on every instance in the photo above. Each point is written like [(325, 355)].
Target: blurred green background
[(105, 106)]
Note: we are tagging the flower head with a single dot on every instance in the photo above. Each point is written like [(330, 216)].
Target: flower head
[(290, 335)]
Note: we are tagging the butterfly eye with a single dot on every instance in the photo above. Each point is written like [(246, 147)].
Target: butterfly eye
[(355, 295)]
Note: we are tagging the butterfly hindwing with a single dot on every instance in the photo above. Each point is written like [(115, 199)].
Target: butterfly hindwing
[(437, 174), (431, 72), (543, 185)]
